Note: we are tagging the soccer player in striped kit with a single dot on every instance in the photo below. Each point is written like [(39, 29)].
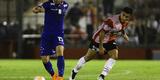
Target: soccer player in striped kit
[(52, 35), (103, 42)]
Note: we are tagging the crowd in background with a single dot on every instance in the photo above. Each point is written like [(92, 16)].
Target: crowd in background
[(84, 16), (144, 29)]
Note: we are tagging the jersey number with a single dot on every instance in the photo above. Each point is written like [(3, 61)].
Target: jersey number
[(60, 39)]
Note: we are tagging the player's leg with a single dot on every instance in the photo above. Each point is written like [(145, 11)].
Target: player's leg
[(45, 52), (109, 63), (58, 46), (47, 64), (89, 55), (60, 61)]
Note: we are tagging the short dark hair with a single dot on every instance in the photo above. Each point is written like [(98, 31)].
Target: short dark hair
[(128, 10)]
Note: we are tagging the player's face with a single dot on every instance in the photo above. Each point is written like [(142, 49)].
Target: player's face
[(58, 1), (125, 17)]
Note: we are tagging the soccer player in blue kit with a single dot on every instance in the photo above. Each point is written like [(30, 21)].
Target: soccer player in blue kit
[(52, 35)]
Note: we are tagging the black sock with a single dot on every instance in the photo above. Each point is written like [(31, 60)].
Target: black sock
[(102, 76), (73, 74)]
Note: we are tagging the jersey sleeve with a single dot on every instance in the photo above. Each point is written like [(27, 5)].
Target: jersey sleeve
[(46, 5), (108, 25), (65, 6), (124, 26)]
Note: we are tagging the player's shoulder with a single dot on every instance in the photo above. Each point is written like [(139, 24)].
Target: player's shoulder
[(114, 17), (111, 20), (47, 2), (65, 4), (108, 21)]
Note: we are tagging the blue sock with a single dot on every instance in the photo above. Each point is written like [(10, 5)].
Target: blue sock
[(60, 65), (48, 67)]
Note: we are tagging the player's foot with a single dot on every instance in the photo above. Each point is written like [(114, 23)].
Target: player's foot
[(73, 74), (101, 77), (54, 77), (59, 78)]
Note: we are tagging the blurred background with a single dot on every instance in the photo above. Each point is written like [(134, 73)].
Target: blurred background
[(20, 29)]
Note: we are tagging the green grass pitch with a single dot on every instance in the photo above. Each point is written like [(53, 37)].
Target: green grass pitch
[(123, 70)]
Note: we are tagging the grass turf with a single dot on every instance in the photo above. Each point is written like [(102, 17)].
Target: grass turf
[(123, 70)]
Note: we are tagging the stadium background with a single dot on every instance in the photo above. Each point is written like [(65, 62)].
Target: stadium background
[(20, 35), (20, 29)]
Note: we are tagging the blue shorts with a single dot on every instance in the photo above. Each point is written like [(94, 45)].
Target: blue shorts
[(49, 42)]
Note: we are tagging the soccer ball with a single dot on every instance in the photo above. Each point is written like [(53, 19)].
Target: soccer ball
[(39, 78)]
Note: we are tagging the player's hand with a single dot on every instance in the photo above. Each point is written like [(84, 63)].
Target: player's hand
[(37, 9), (126, 37), (101, 50)]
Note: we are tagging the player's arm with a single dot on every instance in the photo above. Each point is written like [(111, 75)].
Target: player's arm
[(124, 35), (42, 5), (108, 25), (38, 9), (101, 38)]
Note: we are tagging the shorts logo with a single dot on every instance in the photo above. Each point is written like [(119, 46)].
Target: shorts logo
[(95, 48)]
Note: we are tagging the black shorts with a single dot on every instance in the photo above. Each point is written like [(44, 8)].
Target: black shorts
[(108, 46)]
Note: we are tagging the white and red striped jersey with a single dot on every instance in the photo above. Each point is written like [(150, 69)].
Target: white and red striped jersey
[(112, 26)]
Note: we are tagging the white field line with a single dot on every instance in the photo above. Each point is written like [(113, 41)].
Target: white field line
[(124, 72)]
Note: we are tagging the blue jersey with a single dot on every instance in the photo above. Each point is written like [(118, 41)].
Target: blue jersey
[(53, 32), (54, 17)]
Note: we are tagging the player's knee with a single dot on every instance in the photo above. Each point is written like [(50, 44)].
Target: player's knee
[(45, 59), (59, 50), (86, 58), (113, 54), (89, 55), (60, 53)]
